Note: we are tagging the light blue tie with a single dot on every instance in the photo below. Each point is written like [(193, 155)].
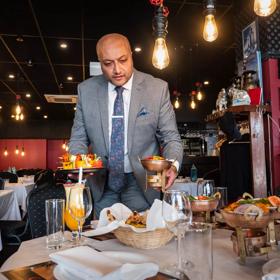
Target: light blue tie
[(116, 157)]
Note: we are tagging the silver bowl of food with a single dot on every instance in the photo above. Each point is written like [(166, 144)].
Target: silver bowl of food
[(210, 204)]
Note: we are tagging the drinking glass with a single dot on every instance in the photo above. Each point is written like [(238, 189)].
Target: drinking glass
[(197, 245), (177, 214), (79, 207), (223, 200), (205, 187)]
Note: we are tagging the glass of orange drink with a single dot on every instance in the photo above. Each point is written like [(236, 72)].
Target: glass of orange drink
[(78, 208)]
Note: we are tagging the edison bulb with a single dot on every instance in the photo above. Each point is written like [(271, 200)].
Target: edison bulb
[(176, 103), (210, 30), (160, 57), (21, 117), (17, 117), (18, 110), (63, 146), (199, 95), (264, 8), (5, 153), (22, 153), (193, 104), (16, 151)]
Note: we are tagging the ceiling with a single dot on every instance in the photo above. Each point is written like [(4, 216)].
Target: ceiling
[(43, 25)]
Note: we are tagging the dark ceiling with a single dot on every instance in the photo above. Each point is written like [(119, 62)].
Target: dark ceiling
[(43, 25)]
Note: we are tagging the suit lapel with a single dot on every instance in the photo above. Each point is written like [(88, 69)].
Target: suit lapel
[(103, 110), (135, 102)]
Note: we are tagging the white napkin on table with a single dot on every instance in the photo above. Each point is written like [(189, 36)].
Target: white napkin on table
[(88, 264), (121, 213)]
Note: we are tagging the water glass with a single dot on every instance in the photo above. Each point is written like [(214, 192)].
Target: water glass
[(205, 187), (55, 222), (198, 248), (224, 198)]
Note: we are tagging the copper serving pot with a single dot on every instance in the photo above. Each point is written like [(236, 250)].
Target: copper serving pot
[(246, 221), (156, 165), (204, 205)]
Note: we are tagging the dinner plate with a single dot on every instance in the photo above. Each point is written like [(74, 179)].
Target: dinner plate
[(127, 257)]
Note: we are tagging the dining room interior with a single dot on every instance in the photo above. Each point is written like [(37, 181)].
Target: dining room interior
[(220, 59)]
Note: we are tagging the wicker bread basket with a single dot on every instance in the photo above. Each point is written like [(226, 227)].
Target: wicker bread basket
[(144, 240)]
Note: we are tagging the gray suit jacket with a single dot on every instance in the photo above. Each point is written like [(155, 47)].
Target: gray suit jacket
[(151, 124)]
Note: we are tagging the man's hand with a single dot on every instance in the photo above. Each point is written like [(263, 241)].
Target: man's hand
[(171, 175)]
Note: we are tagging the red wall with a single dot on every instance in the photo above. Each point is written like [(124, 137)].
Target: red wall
[(54, 148), (35, 153), (39, 153)]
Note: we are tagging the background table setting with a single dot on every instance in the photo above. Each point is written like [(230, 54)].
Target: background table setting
[(21, 189), (9, 209)]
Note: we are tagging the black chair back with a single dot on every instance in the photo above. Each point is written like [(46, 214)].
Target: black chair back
[(36, 206), (1, 184), (44, 176), (13, 178)]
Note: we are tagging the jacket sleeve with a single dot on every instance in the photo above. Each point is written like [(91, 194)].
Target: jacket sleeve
[(167, 131), (78, 143)]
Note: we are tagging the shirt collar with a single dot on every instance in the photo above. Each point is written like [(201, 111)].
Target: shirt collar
[(127, 85)]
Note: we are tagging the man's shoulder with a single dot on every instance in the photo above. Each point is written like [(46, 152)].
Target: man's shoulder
[(149, 79), (96, 80)]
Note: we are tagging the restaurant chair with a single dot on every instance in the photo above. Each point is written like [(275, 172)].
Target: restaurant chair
[(21, 172), (13, 178), (2, 184), (45, 175), (36, 205), (13, 231)]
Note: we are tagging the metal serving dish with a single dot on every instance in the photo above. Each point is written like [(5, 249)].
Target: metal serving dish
[(204, 205), (246, 221), (156, 165)]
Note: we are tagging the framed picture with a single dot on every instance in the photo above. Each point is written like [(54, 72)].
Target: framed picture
[(250, 39)]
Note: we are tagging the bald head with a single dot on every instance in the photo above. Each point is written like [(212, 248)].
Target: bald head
[(109, 40), (115, 56)]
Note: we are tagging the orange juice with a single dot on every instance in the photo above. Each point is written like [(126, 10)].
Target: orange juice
[(70, 221)]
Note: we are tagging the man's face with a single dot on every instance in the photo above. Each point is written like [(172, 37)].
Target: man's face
[(116, 61)]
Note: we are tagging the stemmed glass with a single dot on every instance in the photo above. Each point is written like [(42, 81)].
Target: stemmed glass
[(79, 206), (177, 214)]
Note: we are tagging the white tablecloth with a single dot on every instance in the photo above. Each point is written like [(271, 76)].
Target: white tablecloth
[(9, 209), (21, 191), (226, 265)]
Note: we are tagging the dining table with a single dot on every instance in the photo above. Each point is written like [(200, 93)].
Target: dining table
[(9, 209), (226, 264), (21, 189)]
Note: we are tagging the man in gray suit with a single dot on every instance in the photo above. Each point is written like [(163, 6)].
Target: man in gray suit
[(122, 127)]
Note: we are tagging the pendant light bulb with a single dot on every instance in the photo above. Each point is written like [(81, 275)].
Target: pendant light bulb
[(264, 8), (22, 152), (177, 103), (160, 57), (193, 104), (6, 152), (16, 151), (63, 146), (18, 110), (21, 117), (210, 30), (199, 95), (66, 148), (17, 117)]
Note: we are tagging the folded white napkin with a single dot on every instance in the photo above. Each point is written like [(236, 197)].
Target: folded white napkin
[(86, 263), (121, 213)]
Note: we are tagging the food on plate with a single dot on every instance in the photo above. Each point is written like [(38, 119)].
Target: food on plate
[(137, 220), (217, 195), (154, 158), (81, 160), (248, 205), (110, 216), (274, 200)]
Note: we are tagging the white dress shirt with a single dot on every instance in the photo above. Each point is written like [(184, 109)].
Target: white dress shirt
[(112, 94)]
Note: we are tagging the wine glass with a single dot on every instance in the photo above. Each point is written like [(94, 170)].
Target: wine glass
[(205, 187), (79, 207), (177, 214)]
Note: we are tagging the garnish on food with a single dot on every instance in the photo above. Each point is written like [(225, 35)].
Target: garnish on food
[(81, 160)]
